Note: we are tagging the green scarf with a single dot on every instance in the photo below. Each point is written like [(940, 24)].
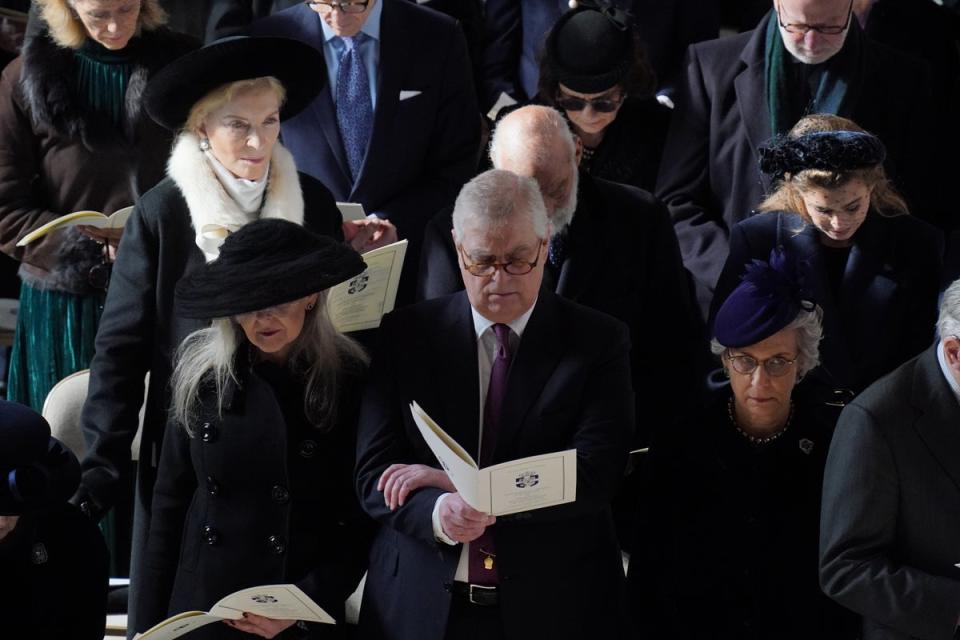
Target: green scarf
[(102, 78), (838, 89)]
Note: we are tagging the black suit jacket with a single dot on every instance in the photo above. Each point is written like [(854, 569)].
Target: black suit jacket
[(569, 387), (890, 517), (623, 260), (710, 177), (886, 308)]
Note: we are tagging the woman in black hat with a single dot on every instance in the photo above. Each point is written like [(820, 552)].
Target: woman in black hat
[(728, 548), (594, 70), (255, 483), (53, 561), (874, 269)]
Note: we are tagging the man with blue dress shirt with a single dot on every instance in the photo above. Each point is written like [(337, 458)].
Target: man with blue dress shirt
[(397, 128)]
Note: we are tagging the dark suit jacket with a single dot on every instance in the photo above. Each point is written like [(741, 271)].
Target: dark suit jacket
[(887, 304), (623, 260), (517, 29), (709, 176), (422, 149), (890, 519), (569, 387)]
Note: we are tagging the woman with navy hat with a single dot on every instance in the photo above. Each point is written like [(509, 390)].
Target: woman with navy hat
[(53, 561), (594, 70), (730, 545), (255, 482), (873, 268)]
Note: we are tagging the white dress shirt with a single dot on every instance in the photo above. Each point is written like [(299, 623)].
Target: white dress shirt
[(486, 353)]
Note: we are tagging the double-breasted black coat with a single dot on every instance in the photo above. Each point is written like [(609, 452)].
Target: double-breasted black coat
[(254, 496), (729, 545)]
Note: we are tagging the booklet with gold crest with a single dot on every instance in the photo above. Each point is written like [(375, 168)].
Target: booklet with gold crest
[(360, 302), (279, 601), (115, 220), (509, 487)]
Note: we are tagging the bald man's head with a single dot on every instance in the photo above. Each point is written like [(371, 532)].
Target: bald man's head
[(536, 142)]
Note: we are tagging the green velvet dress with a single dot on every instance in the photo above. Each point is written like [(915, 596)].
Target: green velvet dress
[(56, 329)]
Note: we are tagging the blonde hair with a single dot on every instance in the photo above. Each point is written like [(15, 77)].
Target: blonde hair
[(223, 94), (207, 361), (68, 31), (788, 193)]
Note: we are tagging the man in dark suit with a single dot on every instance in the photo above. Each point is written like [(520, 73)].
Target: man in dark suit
[(890, 517), (803, 57), (549, 375), (397, 129), (613, 250)]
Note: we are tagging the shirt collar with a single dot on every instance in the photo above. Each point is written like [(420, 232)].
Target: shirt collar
[(481, 324), (954, 385), (371, 27)]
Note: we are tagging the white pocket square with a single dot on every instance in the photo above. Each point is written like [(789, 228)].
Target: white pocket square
[(406, 94)]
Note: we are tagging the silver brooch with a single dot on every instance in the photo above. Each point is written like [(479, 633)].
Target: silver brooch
[(38, 555), (806, 445)]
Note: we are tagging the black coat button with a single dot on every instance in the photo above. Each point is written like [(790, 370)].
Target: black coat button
[(212, 487), (208, 432), (210, 535), (308, 449), (276, 545), (280, 494)]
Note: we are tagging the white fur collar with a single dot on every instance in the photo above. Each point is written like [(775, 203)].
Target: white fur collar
[(213, 213)]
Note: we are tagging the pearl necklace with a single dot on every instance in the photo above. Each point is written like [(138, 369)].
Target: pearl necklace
[(756, 439)]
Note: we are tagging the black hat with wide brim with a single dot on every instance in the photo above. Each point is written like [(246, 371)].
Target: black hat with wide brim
[(174, 90), (265, 263), (36, 470)]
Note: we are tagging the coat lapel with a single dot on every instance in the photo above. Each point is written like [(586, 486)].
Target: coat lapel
[(584, 254), (939, 422), (533, 364), (750, 86), (868, 285), (393, 56)]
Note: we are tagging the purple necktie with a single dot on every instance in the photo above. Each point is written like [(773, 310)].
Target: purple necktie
[(483, 565)]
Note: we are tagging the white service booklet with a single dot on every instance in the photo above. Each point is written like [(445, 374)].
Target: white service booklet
[(351, 211), (115, 220), (360, 302), (279, 601), (509, 487)]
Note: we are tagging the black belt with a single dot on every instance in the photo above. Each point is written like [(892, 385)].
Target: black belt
[(477, 594)]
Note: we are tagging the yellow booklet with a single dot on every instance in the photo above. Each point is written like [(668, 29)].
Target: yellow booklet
[(279, 601), (115, 220)]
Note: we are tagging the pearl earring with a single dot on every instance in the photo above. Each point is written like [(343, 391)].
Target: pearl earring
[(204, 144)]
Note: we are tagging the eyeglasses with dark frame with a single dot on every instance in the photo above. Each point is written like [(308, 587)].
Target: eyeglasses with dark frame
[(824, 29), (515, 267), (774, 367), (600, 105), (346, 6)]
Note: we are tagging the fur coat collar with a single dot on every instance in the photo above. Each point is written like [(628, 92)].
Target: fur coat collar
[(213, 213)]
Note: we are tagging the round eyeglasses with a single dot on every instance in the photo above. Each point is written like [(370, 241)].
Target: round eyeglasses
[(775, 367), (514, 267)]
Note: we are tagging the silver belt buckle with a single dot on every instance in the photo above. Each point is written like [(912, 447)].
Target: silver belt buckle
[(478, 588)]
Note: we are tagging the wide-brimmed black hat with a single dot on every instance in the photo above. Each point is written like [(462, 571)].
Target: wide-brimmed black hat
[(36, 470), (174, 90), (770, 296), (263, 264), (590, 49)]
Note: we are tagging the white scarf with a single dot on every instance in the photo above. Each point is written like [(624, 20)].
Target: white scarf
[(247, 193)]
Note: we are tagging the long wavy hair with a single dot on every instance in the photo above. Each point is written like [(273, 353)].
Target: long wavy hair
[(68, 31), (788, 193), (207, 361)]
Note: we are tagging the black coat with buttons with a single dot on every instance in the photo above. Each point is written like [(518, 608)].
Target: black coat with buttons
[(257, 496), (728, 541)]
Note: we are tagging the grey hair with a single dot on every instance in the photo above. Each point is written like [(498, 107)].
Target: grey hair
[(525, 129), (207, 359), (809, 325), (948, 324), (495, 198)]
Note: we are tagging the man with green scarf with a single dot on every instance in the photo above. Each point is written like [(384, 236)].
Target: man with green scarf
[(805, 56)]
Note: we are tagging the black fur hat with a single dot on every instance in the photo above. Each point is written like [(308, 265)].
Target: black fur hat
[(837, 151), (265, 263)]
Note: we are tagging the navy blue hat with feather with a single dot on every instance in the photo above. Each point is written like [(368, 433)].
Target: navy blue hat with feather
[(768, 298)]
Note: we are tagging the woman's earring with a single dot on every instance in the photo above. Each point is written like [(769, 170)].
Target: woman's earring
[(310, 307), (204, 144)]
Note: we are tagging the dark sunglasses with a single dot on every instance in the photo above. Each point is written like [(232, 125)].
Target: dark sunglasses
[(600, 105)]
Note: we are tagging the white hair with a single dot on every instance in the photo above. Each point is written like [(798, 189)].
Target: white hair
[(809, 326), (494, 199), (948, 324), (207, 359)]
